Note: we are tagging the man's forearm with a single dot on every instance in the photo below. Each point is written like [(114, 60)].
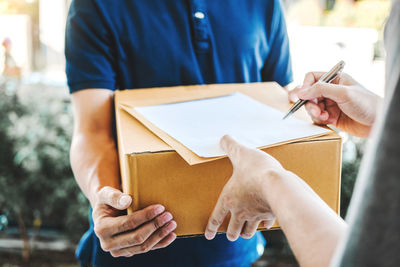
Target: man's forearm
[(311, 227), (94, 162)]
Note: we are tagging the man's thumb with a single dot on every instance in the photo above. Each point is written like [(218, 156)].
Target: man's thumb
[(114, 198)]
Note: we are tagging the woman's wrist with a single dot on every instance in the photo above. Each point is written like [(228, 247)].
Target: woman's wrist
[(277, 183)]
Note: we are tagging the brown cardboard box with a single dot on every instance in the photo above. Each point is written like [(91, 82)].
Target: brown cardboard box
[(152, 172)]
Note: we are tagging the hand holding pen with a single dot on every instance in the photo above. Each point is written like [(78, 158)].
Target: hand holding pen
[(344, 103), (326, 78)]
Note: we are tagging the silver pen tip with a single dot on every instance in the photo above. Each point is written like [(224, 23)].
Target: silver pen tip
[(287, 115)]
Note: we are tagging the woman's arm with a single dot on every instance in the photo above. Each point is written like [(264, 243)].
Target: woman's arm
[(260, 193)]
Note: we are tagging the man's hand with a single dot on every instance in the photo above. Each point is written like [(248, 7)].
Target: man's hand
[(94, 161), (344, 103), (126, 235), (244, 195)]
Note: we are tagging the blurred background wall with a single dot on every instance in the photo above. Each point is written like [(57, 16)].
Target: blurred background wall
[(42, 211)]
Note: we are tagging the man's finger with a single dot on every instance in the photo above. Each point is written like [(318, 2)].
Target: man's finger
[(114, 198), (137, 218), (141, 233), (165, 242), (269, 223), (216, 219), (337, 93), (108, 226), (148, 244), (234, 228), (249, 229)]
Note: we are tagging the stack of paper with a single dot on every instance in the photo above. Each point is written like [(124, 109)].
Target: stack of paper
[(200, 124)]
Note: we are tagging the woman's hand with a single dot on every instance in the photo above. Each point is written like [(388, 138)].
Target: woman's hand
[(344, 103), (244, 195)]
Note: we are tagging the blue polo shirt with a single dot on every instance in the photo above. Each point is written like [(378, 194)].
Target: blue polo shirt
[(127, 44)]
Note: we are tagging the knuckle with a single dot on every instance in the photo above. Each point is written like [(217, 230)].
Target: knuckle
[(211, 231), (103, 190), (215, 222), (113, 197), (105, 246), (145, 248), (128, 224), (317, 86), (241, 215), (149, 215), (115, 254), (349, 94), (157, 223), (138, 239), (227, 202), (163, 232), (100, 231), (310, 73)]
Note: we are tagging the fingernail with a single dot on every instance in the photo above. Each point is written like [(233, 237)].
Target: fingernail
[(209, 235), (124, 200), (159, 209), (269, 224), (166, 217), (171, 226)]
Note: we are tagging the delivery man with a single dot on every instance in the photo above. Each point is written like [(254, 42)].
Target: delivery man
[(261, 188), (125, 44)]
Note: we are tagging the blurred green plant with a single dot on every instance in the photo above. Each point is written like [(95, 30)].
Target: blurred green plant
[(37, 187), (353, 150)]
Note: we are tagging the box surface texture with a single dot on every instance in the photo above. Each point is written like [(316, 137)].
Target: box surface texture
[(153, 173)]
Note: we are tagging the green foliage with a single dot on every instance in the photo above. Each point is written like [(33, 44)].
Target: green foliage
[(36, 182), (353, 150)]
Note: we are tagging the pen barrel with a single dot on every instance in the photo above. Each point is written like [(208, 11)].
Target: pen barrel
[(326, 78)]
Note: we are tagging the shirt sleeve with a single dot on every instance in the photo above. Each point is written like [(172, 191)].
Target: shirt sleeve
[(373, 214), (88, 50), (278, 66)]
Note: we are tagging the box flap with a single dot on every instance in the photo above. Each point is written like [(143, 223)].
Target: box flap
[(135, 138)]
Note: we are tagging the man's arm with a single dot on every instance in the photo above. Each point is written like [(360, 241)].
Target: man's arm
[(94, 162), (93, 153)]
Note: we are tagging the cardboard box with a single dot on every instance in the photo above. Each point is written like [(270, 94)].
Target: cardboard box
[(153, 173)]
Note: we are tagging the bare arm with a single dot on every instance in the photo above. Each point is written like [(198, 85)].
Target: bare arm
[(93, 153), (311, 227), (94, 162), (260, 186), (260, 189)]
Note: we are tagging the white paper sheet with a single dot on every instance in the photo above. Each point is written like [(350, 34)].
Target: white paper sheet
[(200, 124)]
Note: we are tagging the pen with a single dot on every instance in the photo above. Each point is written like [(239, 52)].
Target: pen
[(326, 78)]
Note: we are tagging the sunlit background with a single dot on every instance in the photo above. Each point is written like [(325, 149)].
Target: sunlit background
[(41, 208)]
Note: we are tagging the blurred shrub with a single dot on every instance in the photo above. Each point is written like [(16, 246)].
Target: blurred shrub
[(353, 150), (36, 182)]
